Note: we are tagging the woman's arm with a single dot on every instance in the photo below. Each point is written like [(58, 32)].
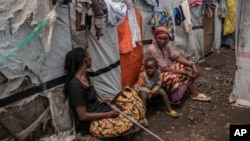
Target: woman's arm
[(86, 116), (180, 59), (184, 61), (167, 69)]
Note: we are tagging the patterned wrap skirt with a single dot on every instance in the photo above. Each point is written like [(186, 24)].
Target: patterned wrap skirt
[(130, 104), (175, 84)]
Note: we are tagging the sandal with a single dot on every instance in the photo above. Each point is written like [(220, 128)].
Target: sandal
[(173, 114), (144, 122), (201, 97)]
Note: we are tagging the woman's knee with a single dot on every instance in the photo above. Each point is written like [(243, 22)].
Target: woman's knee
[(161, 92)]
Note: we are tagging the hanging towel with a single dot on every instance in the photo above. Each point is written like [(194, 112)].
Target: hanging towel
[(187, 22), (132, 22), (116, 12)]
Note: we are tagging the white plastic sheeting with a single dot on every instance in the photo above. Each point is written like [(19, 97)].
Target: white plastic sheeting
[(165, 5), (34, 64), (103, 52), (147, 33), (19, 11), (143, 6), (32, 57), (242, 77)]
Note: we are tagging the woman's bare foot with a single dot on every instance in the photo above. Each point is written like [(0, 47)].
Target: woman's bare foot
[(133, 129)]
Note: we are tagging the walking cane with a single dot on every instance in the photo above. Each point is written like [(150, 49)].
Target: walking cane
[(142, 127)]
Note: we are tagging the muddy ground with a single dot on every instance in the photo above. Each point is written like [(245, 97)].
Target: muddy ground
[(201, 121)]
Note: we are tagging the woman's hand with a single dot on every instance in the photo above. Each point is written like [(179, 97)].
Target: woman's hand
[(113, 114), (195, 71), (190, 73)]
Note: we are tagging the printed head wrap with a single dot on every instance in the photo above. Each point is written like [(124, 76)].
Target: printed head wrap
[(161, 30)]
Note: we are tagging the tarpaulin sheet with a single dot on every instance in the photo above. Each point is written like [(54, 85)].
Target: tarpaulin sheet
[(32, 57), (104, 52), (242, 77)]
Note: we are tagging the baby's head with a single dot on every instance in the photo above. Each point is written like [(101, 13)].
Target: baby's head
[(151, 65)]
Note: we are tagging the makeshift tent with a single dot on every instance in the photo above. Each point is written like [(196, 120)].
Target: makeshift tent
[(242, 48), (30, 72)]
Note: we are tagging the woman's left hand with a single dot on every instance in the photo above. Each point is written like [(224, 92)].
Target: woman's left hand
[(113, 113)]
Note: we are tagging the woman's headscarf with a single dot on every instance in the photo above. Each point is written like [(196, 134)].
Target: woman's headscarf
[(160, 31)]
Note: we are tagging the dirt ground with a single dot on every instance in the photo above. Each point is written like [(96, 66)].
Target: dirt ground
[(200, 121)]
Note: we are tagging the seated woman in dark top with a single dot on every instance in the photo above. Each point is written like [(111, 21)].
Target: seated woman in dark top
[(90, 115)]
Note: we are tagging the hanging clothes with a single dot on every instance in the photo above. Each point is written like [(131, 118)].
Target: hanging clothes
[(187, 22), (124, 37), (130, 62), (132, 22), (193, 3), (222, 9), (230, 20), (217, 29), (116, 12), (100, 9), (178, 15), (90, 8), (83, 9), (208, 7), (162, 18), (196, 36)]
